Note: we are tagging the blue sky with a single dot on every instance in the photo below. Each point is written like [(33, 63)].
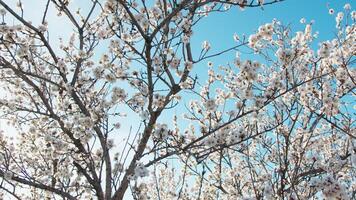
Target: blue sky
[(219, 27)]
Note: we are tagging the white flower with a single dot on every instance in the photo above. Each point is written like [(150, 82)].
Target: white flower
[(188, 65), (161, 131), (158, 100), (308, 29), (110, 77), (42, 28), (8, 175), (77, 135), (331, 11), (210, 105), (174, 63), (23, 51), (205, 45), (102, 34), (186, 84), (237, 135), (339, 18), (267, 192), (279, 53), (347, 6), (157, 60), (302, 20), (236, 37), (117, 125), (252, 40), (82, 54), (210, 141), (118, 94), (97, 72), (210, 64), (140, 171), (324, 50), (2, 11), (340, 15), (144, 115)]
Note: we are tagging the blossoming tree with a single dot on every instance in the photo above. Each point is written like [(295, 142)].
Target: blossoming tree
[(276, 125)]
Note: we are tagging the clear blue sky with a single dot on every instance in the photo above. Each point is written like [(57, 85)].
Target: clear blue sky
[(219, 27)]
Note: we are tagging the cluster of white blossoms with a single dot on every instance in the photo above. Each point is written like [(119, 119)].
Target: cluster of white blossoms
[(159, 100), (188, 65), (244, 78), (330, 187), (137, 101), (265, 32), (8, 175), (228, 135), (324, 50), (237, 135), (118, 94), (161, 131), (331, 102), (157, 64), (261, 128), (301, 86), (210, 105), (185, 26), (248, 71), (140, 171), (174, 63), (284, 55), (23, 51), (142, 20)]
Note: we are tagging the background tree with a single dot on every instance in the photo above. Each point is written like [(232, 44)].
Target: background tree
[(278, 125)]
